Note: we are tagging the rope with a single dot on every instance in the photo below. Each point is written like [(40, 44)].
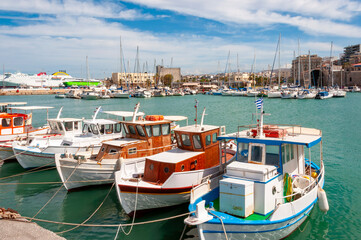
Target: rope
[(220, 219), (14, 155), (96, 210), (39, 183), (53, 195), (135, 211), (111, 225), (184, 229), (299, 227), (30, 171)]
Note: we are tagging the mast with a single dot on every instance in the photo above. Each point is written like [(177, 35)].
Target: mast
[(279, 61), (294, 69), (226, 70), (309, 67), (3, 75), (331, 64), (299, 64)]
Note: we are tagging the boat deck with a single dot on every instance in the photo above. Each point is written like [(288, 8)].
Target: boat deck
[(252, 217)]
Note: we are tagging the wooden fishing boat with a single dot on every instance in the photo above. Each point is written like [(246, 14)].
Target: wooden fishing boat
[(165, 179), (16, 125), (270, 189), (144, 137)]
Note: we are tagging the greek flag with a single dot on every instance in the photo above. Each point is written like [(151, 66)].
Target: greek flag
[(259, 103)]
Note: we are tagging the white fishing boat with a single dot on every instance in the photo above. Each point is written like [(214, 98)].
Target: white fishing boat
[(40, 151), (142, 93), (252, 93), (306, 94), (274, 94), (121, 94), (289, 94), (270, 189), (324, 95), (144, 137), (165, 179), (89, 95), (16, 125)]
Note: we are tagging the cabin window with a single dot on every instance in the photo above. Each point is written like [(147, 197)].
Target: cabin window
[(102, 129), (68, 126), (272, 155), (186, 140), (66, 144), (140, 131), (287, 153), (156, 130), (60, 126), (94, 129), (131, 129), (197, 142), (166, 169), (126, 129), (86, 128), (214, 137), (6, 122), (132, 151), (76, 125), (151, 166), (18, 121), (165, 129), (182, 167), (208, 139), (108, 128), (283, 149), (112, 151), (178, 140), (242, 154), (117, 128), (256, 153), (53, 126), (103, 148), (148, 130)]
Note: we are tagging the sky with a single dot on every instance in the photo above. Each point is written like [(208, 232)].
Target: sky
[(195, 35)]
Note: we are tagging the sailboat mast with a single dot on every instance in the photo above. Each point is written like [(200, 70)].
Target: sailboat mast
[(331, 64), (299, 64), (309, 67), (279, 61)]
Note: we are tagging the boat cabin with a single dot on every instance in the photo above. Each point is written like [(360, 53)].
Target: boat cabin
[(197, 149), (142, 138), (263, 162), (101, 127), (65, 126)]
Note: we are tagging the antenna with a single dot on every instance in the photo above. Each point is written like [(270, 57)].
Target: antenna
[(96, 112), (203, 114), (136, 108), (196, 107), (59, 113)]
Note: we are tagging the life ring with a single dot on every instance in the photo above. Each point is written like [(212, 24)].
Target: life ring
[(287, 187)]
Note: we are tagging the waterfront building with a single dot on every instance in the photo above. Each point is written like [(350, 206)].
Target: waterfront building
[(162, 74), (133, 79), (350, 51), (303, 62)]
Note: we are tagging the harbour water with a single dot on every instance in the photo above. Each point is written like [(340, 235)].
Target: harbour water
[(339, 120)]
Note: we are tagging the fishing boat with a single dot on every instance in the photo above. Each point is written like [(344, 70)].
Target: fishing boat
[(89, 95), (289, 94), (144, 137), (324, 95), (38, 151), (306, 94), (165, 179), (16, 125), (270, 189)]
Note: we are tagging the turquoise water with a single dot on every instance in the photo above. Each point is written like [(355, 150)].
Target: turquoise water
[(339, 119)]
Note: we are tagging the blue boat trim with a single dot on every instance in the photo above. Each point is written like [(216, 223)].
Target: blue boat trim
[(271, 230), (257, 222)]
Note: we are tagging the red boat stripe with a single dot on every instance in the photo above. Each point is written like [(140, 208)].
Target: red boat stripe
[(133, 189)]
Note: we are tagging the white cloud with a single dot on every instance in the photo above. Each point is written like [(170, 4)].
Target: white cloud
[(102, 9), (320, 17)]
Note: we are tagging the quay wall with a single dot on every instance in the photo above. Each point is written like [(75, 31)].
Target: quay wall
[(8, 92)]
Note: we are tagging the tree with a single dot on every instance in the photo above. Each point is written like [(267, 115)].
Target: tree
[(167, 79)]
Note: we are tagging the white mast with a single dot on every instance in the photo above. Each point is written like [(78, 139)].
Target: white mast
[(309, 66), (331, 64), (279, 61), (299, 64)]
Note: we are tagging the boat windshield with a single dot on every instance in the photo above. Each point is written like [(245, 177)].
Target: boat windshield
[(68, 126), (94, 129)]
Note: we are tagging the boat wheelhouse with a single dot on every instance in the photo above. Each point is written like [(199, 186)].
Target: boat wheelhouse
[(16, 125), (268, 191), (165, 179), (69, 137), (143, 138)]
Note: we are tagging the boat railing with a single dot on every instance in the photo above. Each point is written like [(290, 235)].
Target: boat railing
[(305, 190), (292, 129)]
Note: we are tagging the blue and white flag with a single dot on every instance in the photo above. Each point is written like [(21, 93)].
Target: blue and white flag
[(259, 103)]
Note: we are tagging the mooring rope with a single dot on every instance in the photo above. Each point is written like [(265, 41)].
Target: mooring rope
[(44, 183), (111, 225), (54, 194), (220, 219), (96, 210), (38, 169)]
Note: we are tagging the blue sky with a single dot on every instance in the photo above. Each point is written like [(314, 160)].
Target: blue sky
[(49, 35)]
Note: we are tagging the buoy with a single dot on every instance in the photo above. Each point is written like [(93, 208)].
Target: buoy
[(322, 200)]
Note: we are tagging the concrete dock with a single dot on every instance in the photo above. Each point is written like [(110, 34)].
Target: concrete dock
[(44, 91)]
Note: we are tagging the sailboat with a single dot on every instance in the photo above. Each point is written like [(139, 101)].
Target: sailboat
[(306, 93), (275, 92)]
